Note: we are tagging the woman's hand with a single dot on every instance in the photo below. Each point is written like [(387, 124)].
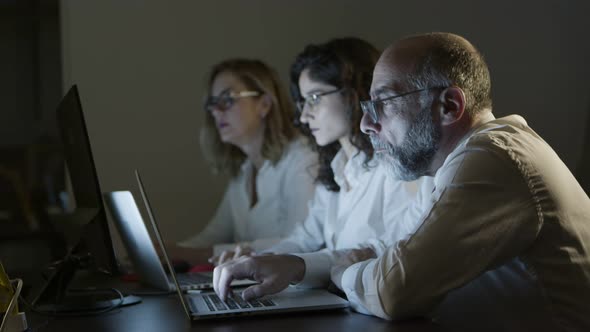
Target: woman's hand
[(227, 255)]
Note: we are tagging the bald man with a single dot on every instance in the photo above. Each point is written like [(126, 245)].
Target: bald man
[(505, 235)]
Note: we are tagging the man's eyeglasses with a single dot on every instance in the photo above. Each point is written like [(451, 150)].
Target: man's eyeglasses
[(375, 107), (226, 100), (313, 99)]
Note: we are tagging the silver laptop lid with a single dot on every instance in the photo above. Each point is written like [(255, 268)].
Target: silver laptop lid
[(136, 239), (161, 243)]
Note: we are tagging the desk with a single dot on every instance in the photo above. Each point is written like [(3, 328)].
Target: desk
[(165, 313)]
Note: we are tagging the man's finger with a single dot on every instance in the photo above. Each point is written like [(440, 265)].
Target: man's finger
[(216, 273), (225, 280)]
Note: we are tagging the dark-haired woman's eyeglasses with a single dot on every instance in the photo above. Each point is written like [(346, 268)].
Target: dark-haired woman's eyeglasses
[(226, 100), (313, 99)]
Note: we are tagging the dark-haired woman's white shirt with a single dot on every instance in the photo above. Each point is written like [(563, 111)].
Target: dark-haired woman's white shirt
[(361, 214), (283, 191)]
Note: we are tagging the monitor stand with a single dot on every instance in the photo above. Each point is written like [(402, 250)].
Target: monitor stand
[(56, 297)]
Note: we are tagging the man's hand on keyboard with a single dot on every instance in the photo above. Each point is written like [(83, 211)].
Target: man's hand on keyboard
[(273, 272)]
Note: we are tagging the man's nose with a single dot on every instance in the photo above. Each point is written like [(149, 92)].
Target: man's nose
[(368, 126)]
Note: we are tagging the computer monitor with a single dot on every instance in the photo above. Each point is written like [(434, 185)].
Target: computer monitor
[(89, 213), (85, 228)]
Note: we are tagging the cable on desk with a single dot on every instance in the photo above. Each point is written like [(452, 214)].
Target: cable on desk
[(57, 313)]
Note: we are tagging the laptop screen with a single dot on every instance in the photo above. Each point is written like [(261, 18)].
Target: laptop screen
[(160, 241)]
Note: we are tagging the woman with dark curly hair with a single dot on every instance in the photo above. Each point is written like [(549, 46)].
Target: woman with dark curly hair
[(355, 202)]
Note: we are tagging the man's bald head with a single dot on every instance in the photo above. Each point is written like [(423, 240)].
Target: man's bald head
[(441, 60)]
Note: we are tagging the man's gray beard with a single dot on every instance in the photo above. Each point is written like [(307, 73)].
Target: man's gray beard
[(412, 159)]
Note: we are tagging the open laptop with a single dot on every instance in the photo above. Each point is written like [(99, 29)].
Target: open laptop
[(206, 304), (141, 251)]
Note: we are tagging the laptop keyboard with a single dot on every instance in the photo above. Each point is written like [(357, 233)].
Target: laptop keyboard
[(193, 278), (234, 302)]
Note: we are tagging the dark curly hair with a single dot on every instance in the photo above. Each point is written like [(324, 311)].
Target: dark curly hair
[(347, 64)]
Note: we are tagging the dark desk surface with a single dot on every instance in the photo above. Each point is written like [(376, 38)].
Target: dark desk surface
[(165, 313)]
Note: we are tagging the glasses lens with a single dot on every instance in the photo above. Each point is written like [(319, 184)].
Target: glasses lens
[(369, 107), (225, 102), (315, 99), (210, 104), (221, 103)]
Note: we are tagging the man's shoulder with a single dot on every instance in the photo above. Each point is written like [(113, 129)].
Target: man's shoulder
[(497, 125), (501, 134)]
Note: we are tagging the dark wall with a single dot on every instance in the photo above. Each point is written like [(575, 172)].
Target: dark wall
[(31, 164)]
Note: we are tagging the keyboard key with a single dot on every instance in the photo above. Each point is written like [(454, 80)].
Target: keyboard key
[(234, 302), (209, 304), (243, 304), (219, 305), (231, 303), (267, 302), (255, 303)]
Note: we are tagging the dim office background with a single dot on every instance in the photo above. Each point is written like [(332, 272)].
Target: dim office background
[(141, 66)]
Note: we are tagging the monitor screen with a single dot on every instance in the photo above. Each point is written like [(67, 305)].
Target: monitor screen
[(88, 219)]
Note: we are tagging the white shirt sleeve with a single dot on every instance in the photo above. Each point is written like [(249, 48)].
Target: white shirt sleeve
[(219, 229), (318, 266), (308, 236), (402, 207), (393, 199), (471, 225), (399, 201)]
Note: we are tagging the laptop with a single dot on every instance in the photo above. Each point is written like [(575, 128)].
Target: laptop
[(200, 305), (142, 252)]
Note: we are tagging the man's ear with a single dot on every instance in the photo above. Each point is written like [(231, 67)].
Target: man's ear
[(452, 100), (265, 105)]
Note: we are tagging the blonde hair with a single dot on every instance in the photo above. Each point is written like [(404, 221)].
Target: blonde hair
[(279, 129)]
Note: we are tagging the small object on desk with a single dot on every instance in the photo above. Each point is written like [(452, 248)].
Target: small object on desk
[(6, 292), (12, 319)]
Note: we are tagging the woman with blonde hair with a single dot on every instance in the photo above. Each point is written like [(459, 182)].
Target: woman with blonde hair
[(249, 135)]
